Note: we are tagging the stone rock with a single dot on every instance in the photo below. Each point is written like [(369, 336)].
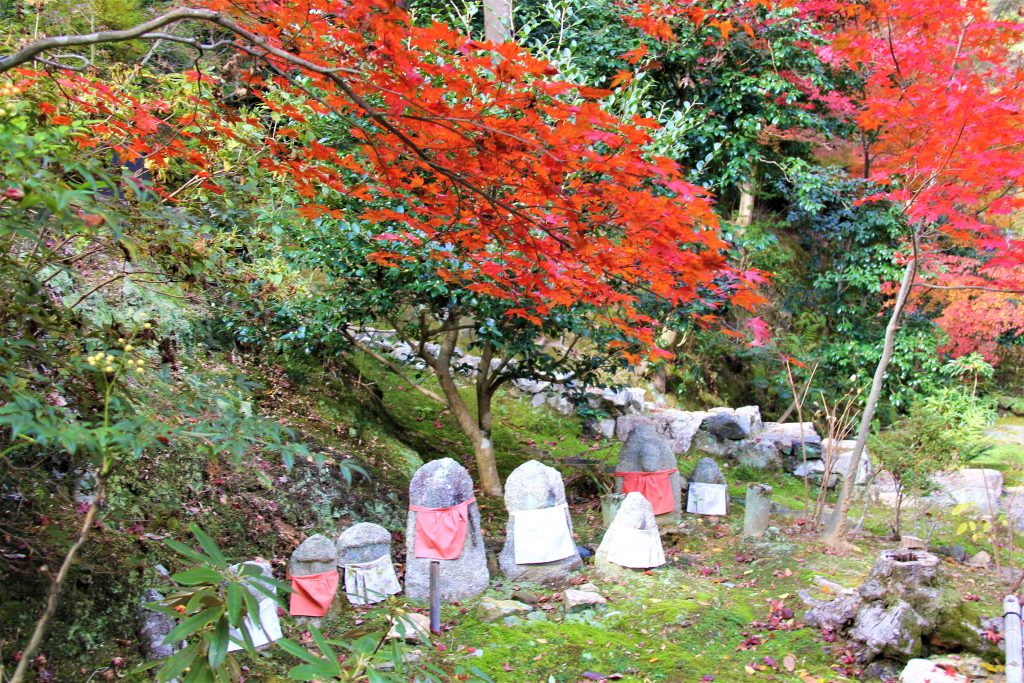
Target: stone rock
[(841, 453), (363, 542), (912, 543), (588, 587), (577, 599), (645, 450), (926, 671), (535, 486), (153, 628), (410, 626), (523, 595), (538, 400), (726, 423), (759, 455), (980, 559), (632, 539), (956, 552), (492, 609), (707, 472), (1013, 503), (706, 442), (606, 428), (316, 555), (815, 471), (443, 483), (786, 437), (679, 427), (754, 413), (981, 488)]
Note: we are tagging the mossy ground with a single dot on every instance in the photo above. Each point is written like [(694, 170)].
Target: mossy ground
[(703, 614)]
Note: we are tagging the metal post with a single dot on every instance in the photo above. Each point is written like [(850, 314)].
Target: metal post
[(1012, 634), (435, 597)]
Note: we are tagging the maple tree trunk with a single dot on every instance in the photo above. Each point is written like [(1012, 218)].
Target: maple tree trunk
[(836, 529), (745, 212), (476, 428), (498, 20)]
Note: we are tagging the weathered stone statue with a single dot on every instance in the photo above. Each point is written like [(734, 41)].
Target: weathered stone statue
[(707, 493), (314, 574), (444, 525), (632, 540), (647, 465), (538, 537), (364, 555)]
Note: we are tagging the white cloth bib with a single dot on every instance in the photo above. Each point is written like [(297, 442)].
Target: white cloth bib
[(542, 535), (707, 499), (268, 631), (370, 582), (633, 548)]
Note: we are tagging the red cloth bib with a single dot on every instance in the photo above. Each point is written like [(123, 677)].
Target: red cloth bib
[(312, 595), (440, 532), (656, 487)]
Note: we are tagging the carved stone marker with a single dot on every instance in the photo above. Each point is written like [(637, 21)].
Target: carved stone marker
[(269, 628), (632, 540), (314, 572), (758, 510), (364, 555), (538, 537), (647, 465), (442, 493)]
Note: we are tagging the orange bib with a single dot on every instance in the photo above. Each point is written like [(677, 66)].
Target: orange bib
[(440, 532), (312, 595), (656, 487)]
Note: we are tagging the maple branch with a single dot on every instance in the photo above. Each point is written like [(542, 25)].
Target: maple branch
[(148, 31), (997, 290)]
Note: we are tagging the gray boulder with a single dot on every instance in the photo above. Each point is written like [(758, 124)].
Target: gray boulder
[(679, 427), (577, 599), (153, 628), (492, 609), (759, 455), (981, 488), (645, 450), (363, 542), (707, 472), (726, 423), (438, 484), (535, 486)]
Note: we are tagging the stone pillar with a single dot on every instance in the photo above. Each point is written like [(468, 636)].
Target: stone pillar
[(759, 507)]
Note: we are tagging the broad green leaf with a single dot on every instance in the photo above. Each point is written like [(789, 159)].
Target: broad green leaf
[(234, 601), (178, 662), (209, 545), (196, 576), (218, 645), (193, 624), (297, 650), (188, 552)]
